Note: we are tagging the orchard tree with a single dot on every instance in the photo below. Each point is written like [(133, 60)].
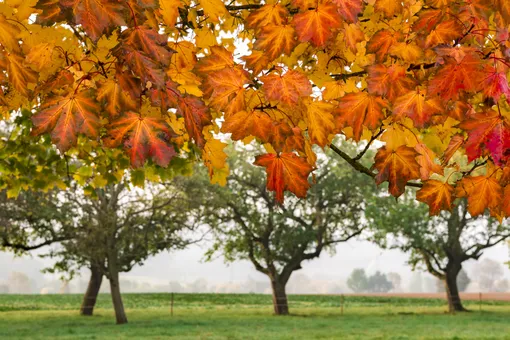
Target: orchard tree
[(246, 222), (440, 244), (108, 231), (358, 281), (160, 79)]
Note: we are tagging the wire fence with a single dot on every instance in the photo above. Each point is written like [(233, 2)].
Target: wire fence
[(341, 304)]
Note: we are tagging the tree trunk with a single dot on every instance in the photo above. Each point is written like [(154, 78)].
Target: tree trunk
[(280, 304), (452, 291), (113, 271), (90, 297), (118, 306)]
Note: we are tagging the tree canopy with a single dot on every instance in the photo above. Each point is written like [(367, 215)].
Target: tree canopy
[(160, 80)]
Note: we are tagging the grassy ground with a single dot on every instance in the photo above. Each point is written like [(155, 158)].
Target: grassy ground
[(236, 316)]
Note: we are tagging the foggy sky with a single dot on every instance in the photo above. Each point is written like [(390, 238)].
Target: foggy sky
[(186, 266)]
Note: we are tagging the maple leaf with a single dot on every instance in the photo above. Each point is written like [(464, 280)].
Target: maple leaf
[(66, 117), (407, 51), (285, 171), (244, 124), (503, 7), (495, 84), (320, 121), (454, 77), (316, 25), (114, 99), (426, 161), (51, 12), (359, 110), (169, 10), (444, 33), (349, 9), (143, 137), (389, 82), (279, 134), (214, 9), (196, 117), (438, 195), (482, 192), (147, 69), (389, 7), (381, 42), (256, 61), (96, 16), (286, 88), (219, 59), (8, 34), (275, 40), (19, 75), (455, 143), (397, 167), (270, 14), (417, 106), (148, 40), (487, 131), (225, 89)]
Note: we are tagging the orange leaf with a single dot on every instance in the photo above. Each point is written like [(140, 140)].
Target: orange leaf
[(285, 172), (438, 196), (417, 106), (142, 137), (243, 124), (390, 82), (225, 89), (349, 9), (267, 15), (427, 163), (444, 33), (287, 88), (148, 40), (219, 59), (482, 192), (275, 40), (115, 99), (455, 143), (389, 7), (320, 122), (316, 25), (454, 77), (96, 16), (66, 117), (397, 167), (359, 110), (381, 43), (196, 117)]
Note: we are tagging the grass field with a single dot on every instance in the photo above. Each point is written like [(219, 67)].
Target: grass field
[(240, 316)]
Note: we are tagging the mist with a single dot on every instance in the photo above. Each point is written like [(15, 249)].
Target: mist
[(186, 271)]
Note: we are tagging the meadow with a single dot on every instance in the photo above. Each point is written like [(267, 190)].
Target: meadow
[(249, 316)]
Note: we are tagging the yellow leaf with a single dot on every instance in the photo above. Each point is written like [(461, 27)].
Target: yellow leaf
[(214, 9), (320, 121), (169, 10)]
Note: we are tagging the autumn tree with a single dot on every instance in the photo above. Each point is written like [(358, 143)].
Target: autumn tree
[(439, 244), (247, 222), (160, 79)]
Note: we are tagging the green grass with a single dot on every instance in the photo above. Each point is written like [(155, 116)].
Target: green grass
[(249, 316)]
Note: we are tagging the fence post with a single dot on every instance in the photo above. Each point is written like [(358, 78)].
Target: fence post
[(172, 304), (342, 298), (480, 299)]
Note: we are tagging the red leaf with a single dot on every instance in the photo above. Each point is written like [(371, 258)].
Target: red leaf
[(286, 171), (142, 137)]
